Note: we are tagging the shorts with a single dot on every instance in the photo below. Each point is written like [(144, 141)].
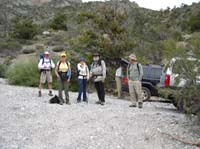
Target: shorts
[(46, 76)]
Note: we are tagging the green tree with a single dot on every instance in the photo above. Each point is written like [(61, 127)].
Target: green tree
[(24, 28), (59, 22), (194, 22)]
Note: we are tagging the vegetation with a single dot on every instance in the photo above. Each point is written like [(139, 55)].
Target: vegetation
[(24, 28), (59, 22)]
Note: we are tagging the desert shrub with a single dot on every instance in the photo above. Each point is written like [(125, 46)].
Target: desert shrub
[(194, 23), (10, 45), (2, 70), (24, 29), (59, 22), (24, 73)]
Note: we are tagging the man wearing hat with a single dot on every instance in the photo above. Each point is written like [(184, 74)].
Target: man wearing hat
[(83, 76), (98, 73), (45, 66), (134, 74)]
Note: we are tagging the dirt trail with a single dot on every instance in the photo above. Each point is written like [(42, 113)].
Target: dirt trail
[(30, 122)]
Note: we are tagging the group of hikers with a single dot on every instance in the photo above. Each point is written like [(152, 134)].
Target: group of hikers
[(96, 73)]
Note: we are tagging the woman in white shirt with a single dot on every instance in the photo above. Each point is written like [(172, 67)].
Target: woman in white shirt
[(83, 76)]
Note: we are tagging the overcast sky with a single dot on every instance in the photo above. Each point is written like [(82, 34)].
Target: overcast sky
[(158, 4)]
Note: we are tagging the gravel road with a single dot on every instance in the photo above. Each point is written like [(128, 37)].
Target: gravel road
[(30, 122)]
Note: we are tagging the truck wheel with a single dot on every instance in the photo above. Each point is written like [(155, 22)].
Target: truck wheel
[(146, 94)]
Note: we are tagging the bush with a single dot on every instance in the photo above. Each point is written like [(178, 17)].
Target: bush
[(24, 73), (24, 29), (2, 70), (59, 22), (10, 45), (194, 23)]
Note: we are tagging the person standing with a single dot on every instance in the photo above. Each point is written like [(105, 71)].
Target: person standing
[(98, 73), (135, 73), (118, 79), (83, 77), (45, 66), (63, 73)]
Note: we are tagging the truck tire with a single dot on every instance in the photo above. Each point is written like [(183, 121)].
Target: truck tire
[(146, 94)]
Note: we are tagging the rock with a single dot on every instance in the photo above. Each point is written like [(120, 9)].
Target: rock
[(28, 51)]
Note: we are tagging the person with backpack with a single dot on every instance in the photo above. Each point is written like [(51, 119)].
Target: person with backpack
[(135, 73), (63, 73), (83, 77), (45, 66), (98, 73)]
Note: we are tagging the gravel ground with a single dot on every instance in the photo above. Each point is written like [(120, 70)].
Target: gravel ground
[(30, 122)]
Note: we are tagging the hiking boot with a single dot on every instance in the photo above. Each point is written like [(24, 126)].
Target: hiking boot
[(68, 103), (102, 103), (140, 104), (78, 101), (39, 94), (133, 105), (98, 102), (85, 100), (61, 101), (50, 93)]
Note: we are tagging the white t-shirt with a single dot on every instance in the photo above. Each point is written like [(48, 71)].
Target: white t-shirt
[(46, 64), (119, 72)]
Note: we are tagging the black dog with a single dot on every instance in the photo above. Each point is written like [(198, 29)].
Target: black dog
[(54, 100)]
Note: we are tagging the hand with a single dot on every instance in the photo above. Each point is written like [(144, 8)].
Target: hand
[(68, 80)]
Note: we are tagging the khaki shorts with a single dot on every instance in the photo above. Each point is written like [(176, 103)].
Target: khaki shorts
[(46, 76)]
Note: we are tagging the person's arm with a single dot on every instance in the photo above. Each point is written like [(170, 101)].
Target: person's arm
[(104, 70), (52, 64), (40, 66), (141, 71), (69, 65), (56, 71), (87, 72)]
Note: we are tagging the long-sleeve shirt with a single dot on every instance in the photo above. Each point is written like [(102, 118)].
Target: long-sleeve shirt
[(135, 72), (98, 71), (83, 71), (46, 64)]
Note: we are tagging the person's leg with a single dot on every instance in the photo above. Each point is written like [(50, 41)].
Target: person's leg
[(60, 89), (138, 90), (118, 85), (42, 81), (102, 91), (80, 89), (66, 86), (84, 90), (50, 80), (132, 93), (98, 90)]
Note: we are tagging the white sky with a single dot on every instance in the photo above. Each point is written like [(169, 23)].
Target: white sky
[(158, 4)]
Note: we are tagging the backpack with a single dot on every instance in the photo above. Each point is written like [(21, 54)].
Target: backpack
[(99, 63), (42, 57), (137, 68), (68, 73)]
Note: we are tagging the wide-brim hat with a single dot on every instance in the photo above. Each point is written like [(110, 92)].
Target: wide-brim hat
[(46, 53), (63, 54), (96, 54), (132, 57)]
